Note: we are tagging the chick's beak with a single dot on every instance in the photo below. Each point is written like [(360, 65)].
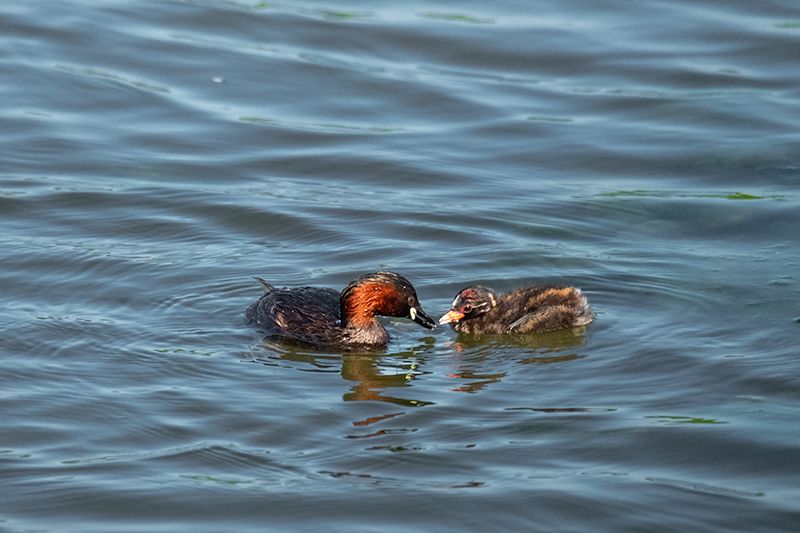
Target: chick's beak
[(451, 316), (421, 317)]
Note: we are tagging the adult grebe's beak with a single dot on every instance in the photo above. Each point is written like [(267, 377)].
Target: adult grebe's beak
[(421, 317)]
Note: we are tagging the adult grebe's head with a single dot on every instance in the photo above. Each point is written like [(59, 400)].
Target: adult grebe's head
[(381, 293)]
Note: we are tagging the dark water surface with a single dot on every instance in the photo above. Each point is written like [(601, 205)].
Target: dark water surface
[(157, 155)]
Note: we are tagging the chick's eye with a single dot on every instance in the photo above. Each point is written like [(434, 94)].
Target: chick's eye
[(466, 309)]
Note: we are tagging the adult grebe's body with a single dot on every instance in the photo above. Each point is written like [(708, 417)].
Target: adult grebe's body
[(324, 317)]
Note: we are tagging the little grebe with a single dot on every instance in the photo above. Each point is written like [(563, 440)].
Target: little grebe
[(530, 310), (323, 317)]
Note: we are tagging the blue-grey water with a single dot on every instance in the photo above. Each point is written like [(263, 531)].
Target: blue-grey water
[(156, 155)]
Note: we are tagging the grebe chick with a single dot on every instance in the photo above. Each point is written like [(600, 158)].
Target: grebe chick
[(323, 317), (530, 310)]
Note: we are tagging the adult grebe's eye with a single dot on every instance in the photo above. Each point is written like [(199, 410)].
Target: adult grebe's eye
[(466, 309), (411, 302)]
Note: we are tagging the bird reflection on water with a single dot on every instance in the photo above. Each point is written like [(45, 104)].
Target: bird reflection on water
[(374, 374), (365, 369)]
